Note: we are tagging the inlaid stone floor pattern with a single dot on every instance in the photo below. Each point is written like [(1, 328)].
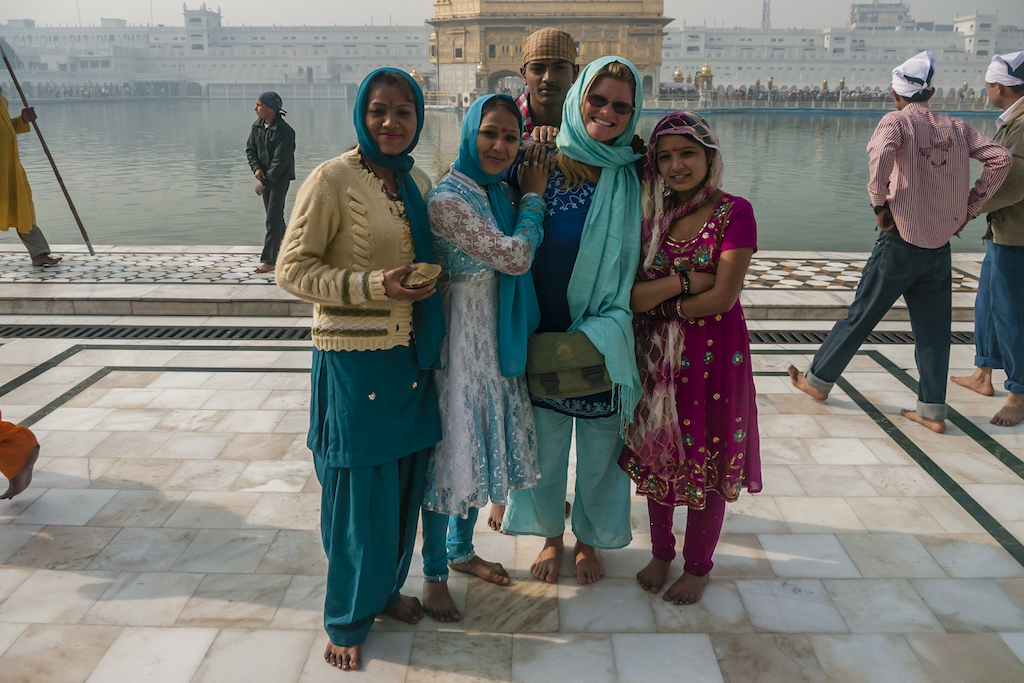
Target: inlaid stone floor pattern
[(171, 534)]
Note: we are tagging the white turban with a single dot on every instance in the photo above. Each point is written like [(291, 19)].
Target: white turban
[(914, 75), (1006, 69)]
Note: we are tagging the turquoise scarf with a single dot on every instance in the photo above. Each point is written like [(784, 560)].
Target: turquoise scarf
[(518, 312), (428, 315), (609, 254)]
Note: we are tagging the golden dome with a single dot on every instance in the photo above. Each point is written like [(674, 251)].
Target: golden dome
[(705, 70), (481, 70), (677, 77), (415, 75)]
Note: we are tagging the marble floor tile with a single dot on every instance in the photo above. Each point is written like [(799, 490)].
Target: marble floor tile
[(818, 515), (250, 421), (779, 481), (235, 601), (138, 508), (73, 419), (258, 446), (71, 444), (181, 399), (766, 658), (190, 421), (610, 605), (740, 556), (828, 480), (790, 606), (139, 549), (969, 605), (284, 381), (626, 562), (754, 515), (232, 380), (901, 481), (888, 452), (157, 655), (143, 599), (214, 510), (1005, 502), (385, 660), (784, 451), (14, 536), (816, 556), (204, 475), (295, 551), (899, 515), (69, 473), (55, 597), (56, 653), (135, 473), (881, 606), (11, 579), (179, 380), (132, 420), (951, 517), (954, 657), (122, 379), (1014, 588), (973, 468), (797, 404), (10, 633), (802, 426), (294, 422), (850, 426), (836, 451), (225, 550), (126, 398), (286, 511), (659, 658), (245, 655), (1014, 641), (129, 445), (193, 446), (276, 476), (887, 556), (303, 604), (236, 399), (970, 556), (286, 400), (523, 606), (63, 547), (563, 657), (460, 658), (868, 659), (11, 510), (720, 610), (65, 506)]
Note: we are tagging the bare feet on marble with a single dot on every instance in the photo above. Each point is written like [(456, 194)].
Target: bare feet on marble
[(496, 515), (407, 609), (1011, 413), (800, 382), (980, 382), (491, 572), (687, 590), (345, 658), (652, 577), (937, 426), (22, 479), (438, 602), (264, 268), (549, 561), (588, 566)]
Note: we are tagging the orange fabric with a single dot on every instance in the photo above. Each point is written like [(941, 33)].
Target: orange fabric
[(16, 444)]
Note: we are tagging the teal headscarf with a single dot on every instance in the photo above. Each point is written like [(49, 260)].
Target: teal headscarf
[(609, 254), (518, 311), (428, 315)]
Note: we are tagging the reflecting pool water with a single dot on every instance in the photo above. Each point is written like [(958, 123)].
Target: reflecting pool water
[(174, 172)]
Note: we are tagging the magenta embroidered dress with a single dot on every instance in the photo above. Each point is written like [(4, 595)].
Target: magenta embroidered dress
[(696, 426)]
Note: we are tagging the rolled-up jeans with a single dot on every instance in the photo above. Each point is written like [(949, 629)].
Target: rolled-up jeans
[(999, 314), (446, 540), (923, 277)]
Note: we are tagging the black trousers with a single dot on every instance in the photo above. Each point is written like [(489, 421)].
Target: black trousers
[(273, 202)]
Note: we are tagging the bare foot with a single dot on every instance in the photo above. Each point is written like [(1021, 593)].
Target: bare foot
[(588, 566), (492, 572), (345, 658), (407, 609), (980, 382), (495, 517), (45, 260), (264, 268), (687, 589), (800, 382), (1012, 411), (652, 577), (438, 603), (22, 479), (937, 426), (549, 561)]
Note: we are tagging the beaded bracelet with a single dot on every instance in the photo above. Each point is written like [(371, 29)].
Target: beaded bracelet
[(684, 282)]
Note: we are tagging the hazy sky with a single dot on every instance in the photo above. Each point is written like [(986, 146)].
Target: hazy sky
[(747, 13)]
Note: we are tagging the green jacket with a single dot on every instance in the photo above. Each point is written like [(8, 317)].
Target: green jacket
[(1005, 208), (273, 150)]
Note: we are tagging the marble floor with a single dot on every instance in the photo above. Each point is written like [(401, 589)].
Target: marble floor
[(171, 535)]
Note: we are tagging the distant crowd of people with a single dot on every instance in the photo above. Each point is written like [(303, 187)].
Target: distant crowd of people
[(568, 281), (88, 91)]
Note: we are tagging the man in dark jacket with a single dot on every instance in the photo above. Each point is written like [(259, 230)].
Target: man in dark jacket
[(271, 154)]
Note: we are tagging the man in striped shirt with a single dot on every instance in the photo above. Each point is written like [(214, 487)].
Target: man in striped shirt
[(921, 194)]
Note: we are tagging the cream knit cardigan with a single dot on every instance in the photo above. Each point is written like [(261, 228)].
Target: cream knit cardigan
[(343, 234)]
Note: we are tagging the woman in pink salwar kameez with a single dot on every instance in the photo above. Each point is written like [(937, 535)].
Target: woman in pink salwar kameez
[(694, 440)]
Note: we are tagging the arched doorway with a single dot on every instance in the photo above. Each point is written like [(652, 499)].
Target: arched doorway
[(193, 89), (505, 81), (648, 85)]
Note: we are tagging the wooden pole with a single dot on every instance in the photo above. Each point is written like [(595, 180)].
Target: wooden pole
[(35, 124)]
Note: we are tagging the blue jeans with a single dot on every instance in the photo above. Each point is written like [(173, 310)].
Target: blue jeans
[(924, 278), (999, 314), (446, 540)]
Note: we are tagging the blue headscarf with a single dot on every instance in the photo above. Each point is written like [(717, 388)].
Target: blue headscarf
[(428, 315), (518, 311), (609, 254)]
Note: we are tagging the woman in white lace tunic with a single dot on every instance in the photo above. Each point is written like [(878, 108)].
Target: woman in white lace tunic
[(489, 443)]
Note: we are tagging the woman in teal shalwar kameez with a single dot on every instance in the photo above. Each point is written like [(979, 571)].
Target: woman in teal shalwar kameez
[(358, 224)]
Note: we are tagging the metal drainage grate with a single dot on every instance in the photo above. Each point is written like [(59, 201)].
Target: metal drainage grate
[(303, 333)]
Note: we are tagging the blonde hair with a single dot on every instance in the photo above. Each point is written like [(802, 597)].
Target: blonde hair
[(576, 172)]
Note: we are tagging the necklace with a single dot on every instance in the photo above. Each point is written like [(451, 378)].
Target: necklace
[(406, 245)]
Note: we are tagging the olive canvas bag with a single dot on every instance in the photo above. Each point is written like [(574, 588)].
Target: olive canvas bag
[(565, 365)]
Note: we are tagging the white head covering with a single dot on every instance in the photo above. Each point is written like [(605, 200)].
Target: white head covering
[(1006, 69), (914, 75)]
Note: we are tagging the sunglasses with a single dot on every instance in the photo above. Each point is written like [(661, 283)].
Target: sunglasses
[(600, 102)]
